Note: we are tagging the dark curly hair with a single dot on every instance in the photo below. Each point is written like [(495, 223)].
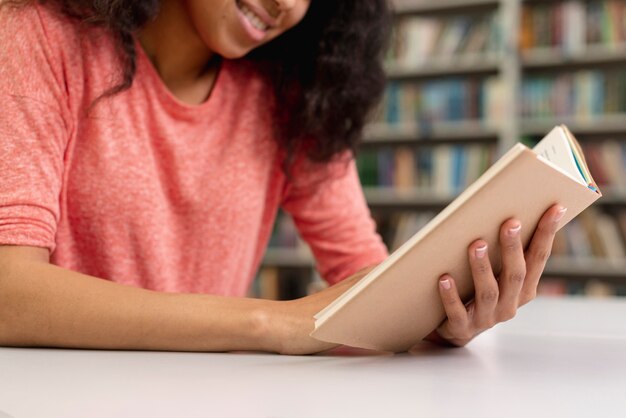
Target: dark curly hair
[(326, 72)]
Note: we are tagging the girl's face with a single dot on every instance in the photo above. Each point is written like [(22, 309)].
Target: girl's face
[(232, 28)]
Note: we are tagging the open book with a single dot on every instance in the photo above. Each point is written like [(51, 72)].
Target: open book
[(398, 303)]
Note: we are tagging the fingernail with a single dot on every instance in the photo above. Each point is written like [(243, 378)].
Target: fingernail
[(513, 232), (445, 283), (481, 251), (560, 214)]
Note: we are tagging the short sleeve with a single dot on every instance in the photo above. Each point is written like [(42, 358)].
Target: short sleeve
[(33, 130), (332, 216)]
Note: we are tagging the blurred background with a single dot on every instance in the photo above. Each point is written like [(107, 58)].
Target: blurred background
[(467, 79)]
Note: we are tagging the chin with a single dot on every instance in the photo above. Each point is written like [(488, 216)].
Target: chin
[(230, 50), (233, 54)]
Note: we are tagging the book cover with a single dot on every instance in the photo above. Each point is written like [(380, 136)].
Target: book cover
[(398, 303)]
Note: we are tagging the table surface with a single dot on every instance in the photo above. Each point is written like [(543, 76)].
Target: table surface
[(557, 358)]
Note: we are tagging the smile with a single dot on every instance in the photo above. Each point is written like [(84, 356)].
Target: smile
[(252, 17)]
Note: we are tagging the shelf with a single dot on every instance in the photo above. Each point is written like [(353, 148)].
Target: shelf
[(559, 267), (583, 270), (511, 66), (555, 58), (389, 198), (287, 257), (455, 66), (411, 199), (441, 6), (612, 199), (436, 134), (597, 126)]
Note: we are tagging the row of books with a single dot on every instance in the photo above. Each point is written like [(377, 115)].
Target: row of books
[(275, 283), (593, 234), (442, 101), (584, 93), (442, 170), (573, 25), (425, 40)]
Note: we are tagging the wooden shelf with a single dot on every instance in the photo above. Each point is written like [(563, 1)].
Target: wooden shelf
[(436, 134), (583, 270), (612, 199), (389, 198), (555, 58), (597, 126), (287, 257), (455, 66), (441, 6), (510, 65), (559, 267)]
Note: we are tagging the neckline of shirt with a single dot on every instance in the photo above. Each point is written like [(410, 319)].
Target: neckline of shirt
[(169, 100)]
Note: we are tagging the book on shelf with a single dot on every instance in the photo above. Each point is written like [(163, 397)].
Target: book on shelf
[(427, 103), (267, 284), (281, 283), (391, 308), (431, 41), (594, 235), (607, 163), (444, 170), (582, 94), (572, 26)]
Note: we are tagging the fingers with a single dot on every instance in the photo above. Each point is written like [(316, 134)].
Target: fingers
[(497, 300), (485, 285), (513, 271), (457, 324), (539, 250)]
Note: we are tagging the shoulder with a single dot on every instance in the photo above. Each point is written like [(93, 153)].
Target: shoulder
[(34, 36), (34, 23), (45, 53)]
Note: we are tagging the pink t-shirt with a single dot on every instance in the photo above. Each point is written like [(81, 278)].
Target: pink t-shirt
[(146, 190)]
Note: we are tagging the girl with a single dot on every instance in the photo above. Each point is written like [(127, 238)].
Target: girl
[(146, 147)]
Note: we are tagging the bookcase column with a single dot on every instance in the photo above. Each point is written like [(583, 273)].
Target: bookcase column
[(510, 72)]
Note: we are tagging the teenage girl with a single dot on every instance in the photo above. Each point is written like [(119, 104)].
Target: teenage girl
[(146, 146)]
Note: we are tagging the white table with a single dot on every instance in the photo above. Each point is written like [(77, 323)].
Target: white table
[(558, 358)]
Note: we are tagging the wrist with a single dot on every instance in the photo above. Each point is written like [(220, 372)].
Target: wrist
[(267, 325), (436, 338)]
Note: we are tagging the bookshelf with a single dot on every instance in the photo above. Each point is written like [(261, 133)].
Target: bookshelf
[(495, 73)]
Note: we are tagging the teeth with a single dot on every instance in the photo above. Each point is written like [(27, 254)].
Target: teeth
[(253, 18)]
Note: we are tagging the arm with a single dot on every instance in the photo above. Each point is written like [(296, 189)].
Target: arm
[(329, 209), (44, 305)]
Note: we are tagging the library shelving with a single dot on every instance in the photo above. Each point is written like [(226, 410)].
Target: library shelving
[(572, 56), (485, 74)]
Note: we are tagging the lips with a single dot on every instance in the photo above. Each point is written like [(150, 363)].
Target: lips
[(256, 15), (253, 18)]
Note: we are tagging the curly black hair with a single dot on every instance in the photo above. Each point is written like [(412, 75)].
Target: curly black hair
[(327, 71)]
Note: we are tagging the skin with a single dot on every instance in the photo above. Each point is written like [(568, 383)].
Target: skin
[(497, 300), (46, 305), (187, 34)]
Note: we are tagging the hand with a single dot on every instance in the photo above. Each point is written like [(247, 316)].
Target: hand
[(497, 300), (289, 323)]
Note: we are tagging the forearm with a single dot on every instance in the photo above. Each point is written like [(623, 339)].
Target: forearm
[(44, 305)]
